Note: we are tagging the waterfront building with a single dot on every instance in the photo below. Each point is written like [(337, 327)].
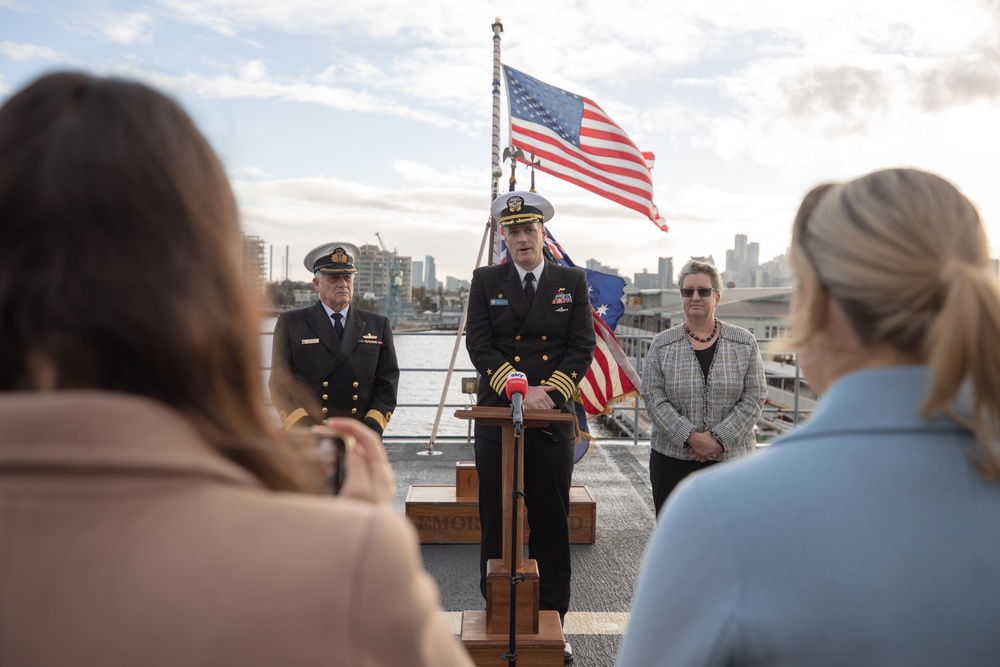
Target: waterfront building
[(254, 263), (374, 276), (743, 267), (646, 280), (430, 274), (665, 271), (594, 265), (418, 274), (453, 284)]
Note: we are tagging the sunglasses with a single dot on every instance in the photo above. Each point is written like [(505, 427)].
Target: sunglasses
[(703, 292)]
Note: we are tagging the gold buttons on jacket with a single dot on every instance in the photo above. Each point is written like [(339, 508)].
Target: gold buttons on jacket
[(355, 385), (545, 337), (517, 358), (355, 397), (325, 411), (326, 397), (354, 411), (326, 384), (517, 338), (545, 357)]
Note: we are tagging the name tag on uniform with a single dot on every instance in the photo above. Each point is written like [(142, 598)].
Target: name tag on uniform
[(498, 302), (310, 341)]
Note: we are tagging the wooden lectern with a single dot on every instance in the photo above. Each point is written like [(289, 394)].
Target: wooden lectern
[(539, 633)]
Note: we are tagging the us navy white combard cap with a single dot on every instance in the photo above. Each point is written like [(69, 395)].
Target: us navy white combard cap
[(519, 207)]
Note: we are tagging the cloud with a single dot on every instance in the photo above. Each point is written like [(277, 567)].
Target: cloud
[(960, 80), (252, 80), (21, 52), (851, 92), (122, 28)]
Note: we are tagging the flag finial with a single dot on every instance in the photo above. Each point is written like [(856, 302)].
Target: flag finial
[(533, 163), (512, 153)]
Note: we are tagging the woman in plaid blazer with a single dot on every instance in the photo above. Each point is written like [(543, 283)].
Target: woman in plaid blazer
[(703, 385)]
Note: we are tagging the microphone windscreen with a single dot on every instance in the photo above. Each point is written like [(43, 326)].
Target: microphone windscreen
[(517, 383)]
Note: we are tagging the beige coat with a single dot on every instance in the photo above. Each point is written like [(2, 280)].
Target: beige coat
[(126, 540)]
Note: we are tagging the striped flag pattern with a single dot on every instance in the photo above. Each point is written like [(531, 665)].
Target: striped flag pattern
[(610, 377), (576, 141)]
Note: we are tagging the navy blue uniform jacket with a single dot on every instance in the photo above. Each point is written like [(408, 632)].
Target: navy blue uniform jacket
[(313, 377), (552, 342)]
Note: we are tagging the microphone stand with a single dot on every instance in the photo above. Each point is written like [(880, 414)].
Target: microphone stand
[(515, 577)]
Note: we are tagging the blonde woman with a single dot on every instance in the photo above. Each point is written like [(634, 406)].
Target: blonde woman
[(868, 536)]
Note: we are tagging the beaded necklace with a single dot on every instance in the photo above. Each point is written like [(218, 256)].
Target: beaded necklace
[(715, 330)]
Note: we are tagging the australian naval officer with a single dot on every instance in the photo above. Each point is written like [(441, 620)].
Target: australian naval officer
[(333, 359), (531, 316)]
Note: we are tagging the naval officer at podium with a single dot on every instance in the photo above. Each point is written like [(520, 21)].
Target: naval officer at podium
[(531, 316)]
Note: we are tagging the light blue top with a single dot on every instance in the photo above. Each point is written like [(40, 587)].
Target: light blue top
[(865, 537)]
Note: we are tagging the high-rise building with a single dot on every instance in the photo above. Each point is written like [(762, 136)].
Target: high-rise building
[(374, 273), (254, 264), (743, 264), (743, 267), (665, 272), (430, 274), (372, 278), (418, 274)]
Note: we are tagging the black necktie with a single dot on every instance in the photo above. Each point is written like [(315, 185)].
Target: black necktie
[(338, 325), (529, 286)]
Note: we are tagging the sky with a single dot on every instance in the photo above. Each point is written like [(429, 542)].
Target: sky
[(338, 120)]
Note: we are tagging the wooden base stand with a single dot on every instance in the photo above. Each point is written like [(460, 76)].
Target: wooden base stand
[(498, 598), (542, 649), (446, 514)]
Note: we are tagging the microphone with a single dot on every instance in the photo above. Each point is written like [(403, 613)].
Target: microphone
[(517, 387)]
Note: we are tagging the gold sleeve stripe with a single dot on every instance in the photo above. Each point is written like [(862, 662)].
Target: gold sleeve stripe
[(560, 389), (562, 382), (379, 417), (297, 414), (499, 379)]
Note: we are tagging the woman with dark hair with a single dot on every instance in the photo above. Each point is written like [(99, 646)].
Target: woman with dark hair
[(149, 514), (869, 535)]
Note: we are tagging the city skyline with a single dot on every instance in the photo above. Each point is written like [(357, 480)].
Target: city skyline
[(664, 277)]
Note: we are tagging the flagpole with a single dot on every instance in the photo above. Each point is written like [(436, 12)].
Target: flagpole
[(496, 172)]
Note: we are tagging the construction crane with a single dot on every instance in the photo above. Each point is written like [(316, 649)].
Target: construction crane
[(394, 306)]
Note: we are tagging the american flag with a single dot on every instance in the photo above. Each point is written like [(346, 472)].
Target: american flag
[(576, 141)]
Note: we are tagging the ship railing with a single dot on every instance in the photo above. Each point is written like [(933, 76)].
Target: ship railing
[(629, 418)]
